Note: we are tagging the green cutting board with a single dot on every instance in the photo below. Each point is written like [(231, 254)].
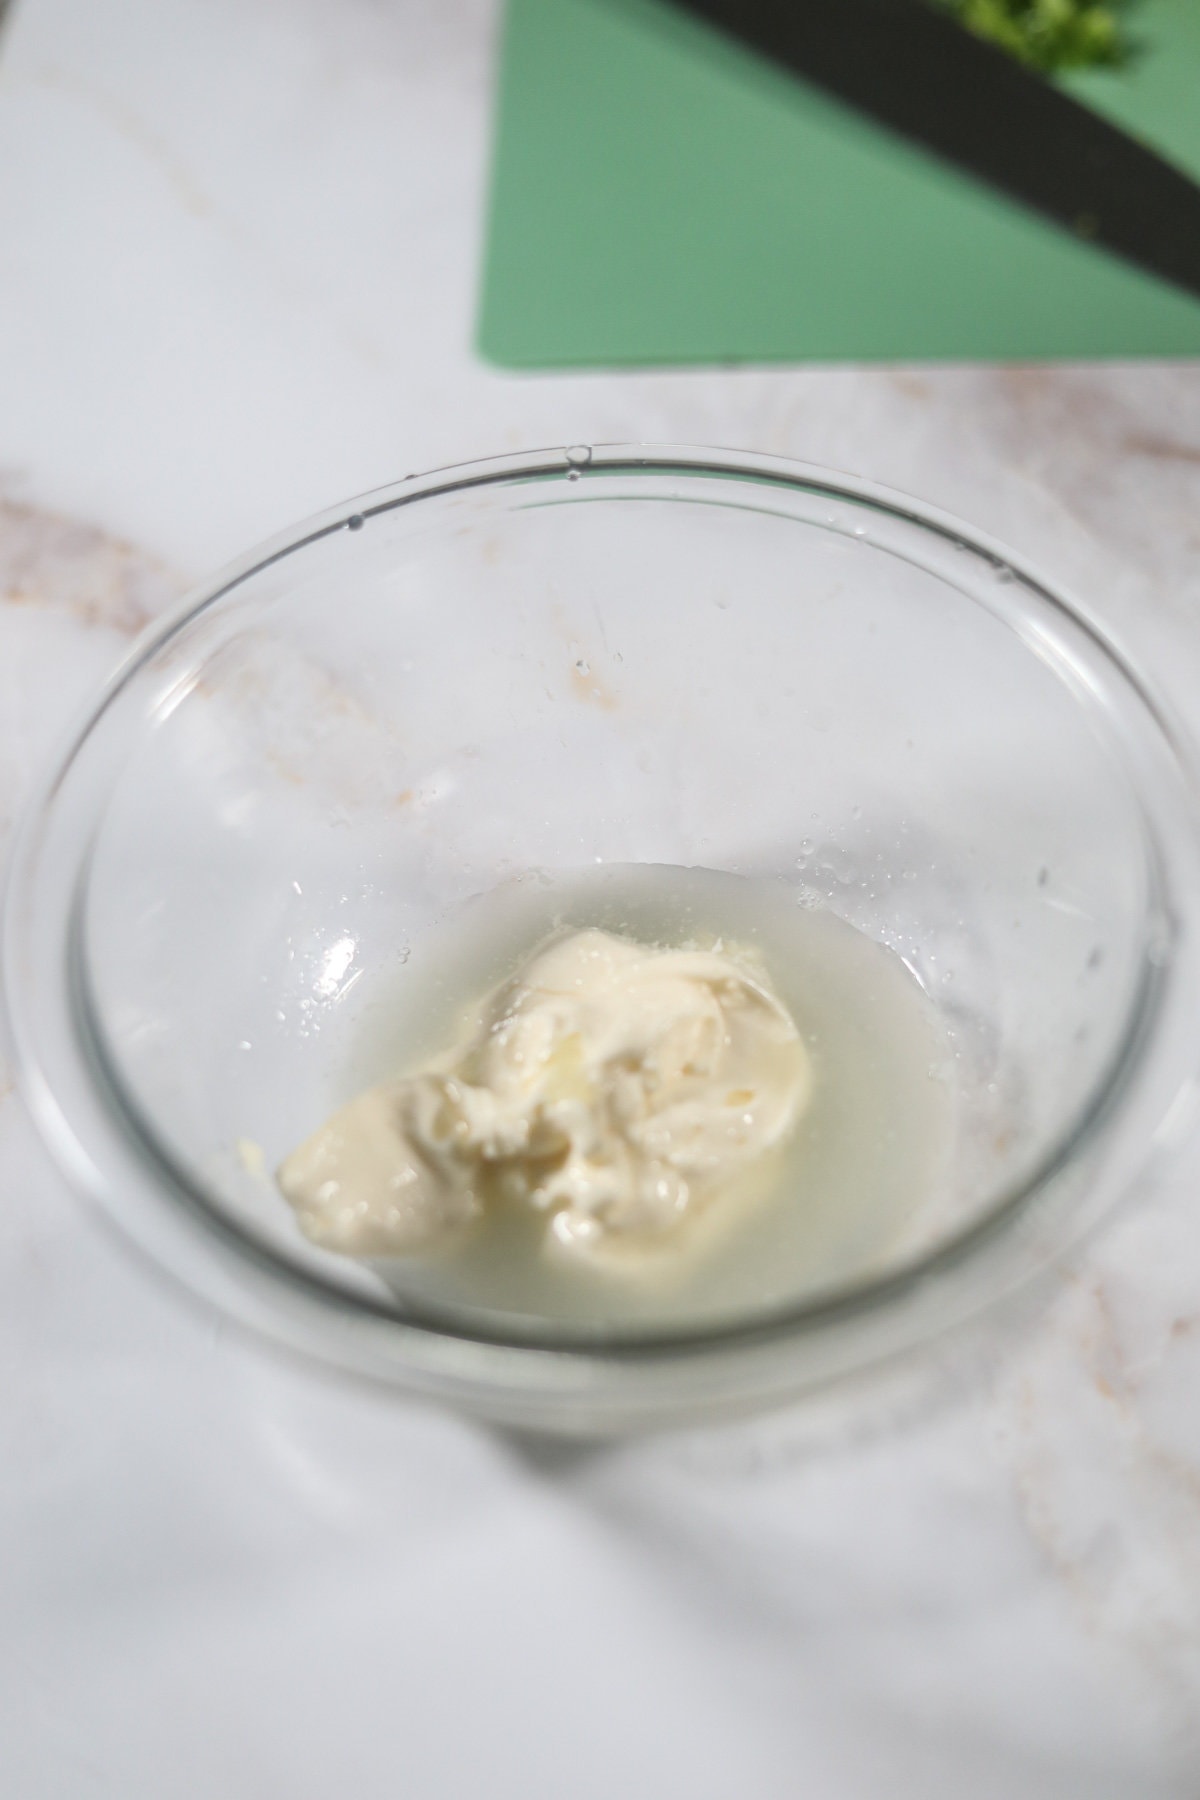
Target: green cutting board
[(661, 196)]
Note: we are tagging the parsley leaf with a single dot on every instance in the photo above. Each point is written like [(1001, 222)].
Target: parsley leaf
[(1050, 34)]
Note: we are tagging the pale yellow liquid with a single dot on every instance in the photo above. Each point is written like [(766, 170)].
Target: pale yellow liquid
[(865, 1163)]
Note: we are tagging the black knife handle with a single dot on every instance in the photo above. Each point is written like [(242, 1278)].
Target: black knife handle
[(918, 71)]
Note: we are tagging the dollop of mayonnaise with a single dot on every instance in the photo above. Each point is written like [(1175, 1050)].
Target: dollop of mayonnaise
[(615, 1087)]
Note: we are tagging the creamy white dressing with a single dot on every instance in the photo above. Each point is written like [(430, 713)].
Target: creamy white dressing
[(836, 1181), (615, 1087)]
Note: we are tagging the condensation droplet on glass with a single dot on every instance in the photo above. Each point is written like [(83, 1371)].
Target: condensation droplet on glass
[(1158, 940), (1043, 876), (583, 667)]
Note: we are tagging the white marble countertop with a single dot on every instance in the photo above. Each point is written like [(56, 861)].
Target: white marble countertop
[(237, 249)]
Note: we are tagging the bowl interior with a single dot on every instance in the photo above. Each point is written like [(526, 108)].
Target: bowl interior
[(551, 673)]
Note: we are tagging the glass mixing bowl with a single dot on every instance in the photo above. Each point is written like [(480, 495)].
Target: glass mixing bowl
[(591, 657)]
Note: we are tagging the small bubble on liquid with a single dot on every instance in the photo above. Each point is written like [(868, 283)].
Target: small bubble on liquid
[(1043, 876), (1158, 941), (583, 667), (578, 457), (355, 522)]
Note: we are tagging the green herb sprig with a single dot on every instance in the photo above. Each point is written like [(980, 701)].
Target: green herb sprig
[(1050, 35)]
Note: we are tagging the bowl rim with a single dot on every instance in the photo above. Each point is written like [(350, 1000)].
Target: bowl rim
[(838, 1305)]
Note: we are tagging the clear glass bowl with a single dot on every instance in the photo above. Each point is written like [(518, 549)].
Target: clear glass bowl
[(603, 656)]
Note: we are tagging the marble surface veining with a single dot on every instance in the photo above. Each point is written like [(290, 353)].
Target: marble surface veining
[(237, 255)]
